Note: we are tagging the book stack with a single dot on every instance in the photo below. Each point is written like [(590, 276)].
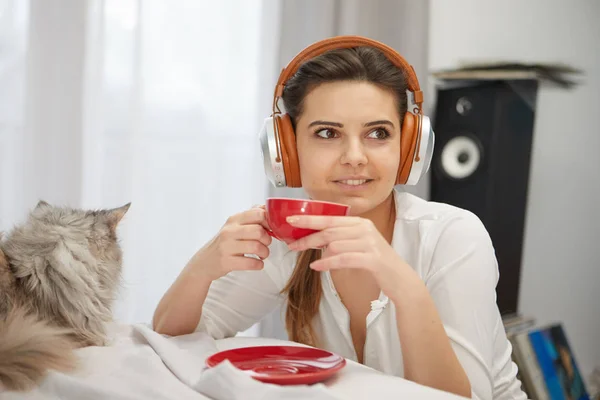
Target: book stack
[(547, 367)]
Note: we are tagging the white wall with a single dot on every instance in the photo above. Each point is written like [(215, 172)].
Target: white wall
[(561, 261)]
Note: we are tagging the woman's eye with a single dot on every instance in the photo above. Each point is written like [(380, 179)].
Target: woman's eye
[(325, 133), (379, 133)]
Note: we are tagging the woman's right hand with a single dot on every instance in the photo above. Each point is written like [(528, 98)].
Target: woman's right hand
[(243, 233), (180, 309)]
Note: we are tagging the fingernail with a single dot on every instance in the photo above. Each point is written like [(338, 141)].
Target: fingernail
[(291, 220)]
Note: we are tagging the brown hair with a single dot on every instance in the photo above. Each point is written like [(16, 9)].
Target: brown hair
[(354, 64)]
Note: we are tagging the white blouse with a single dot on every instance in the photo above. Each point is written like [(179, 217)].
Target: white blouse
[(450, 250)]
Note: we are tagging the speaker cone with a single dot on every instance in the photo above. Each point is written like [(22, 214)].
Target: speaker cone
[(460, 157)]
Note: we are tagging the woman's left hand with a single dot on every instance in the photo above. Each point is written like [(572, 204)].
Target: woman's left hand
[(352, 242)]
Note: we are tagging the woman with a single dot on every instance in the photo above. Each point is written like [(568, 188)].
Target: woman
[(403, 285)]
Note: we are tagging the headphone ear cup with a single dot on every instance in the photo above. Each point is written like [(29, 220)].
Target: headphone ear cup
[(425, 149), (268, 147), (408, 139), (417, 149), (289, 153)]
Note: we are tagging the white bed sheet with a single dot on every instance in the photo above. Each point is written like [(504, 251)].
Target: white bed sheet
[(141, 364)]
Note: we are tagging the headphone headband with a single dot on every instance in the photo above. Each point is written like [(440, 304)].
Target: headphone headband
[(343, 42)]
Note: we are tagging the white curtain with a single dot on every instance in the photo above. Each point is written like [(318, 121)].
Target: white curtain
[(158, 102), (153, 102), (13, 37), (171, 125)]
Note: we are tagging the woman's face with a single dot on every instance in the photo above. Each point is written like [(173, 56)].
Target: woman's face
[(348, 140)]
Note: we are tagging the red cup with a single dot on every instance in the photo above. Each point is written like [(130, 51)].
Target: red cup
[(279, 208)]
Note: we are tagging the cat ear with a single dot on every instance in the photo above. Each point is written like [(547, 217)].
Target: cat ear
[(41, 204), (115, 215)]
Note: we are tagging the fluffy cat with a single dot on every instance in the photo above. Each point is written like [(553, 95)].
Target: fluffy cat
[(59, 274)]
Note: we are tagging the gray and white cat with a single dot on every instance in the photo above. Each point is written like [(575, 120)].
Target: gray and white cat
[(59, 274)]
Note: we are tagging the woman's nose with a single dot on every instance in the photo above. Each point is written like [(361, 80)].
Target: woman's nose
[(354, 153)]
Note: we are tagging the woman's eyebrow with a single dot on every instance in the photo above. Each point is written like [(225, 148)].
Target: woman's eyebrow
[(380, 122), (319, 122), (339, 125)]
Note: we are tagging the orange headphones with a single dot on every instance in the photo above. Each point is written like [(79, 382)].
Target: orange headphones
[(278, 139)]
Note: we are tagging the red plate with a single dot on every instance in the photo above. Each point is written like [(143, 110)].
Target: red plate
[(283, 365)]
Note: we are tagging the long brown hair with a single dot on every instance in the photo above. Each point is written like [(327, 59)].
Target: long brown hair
[(355, 64)]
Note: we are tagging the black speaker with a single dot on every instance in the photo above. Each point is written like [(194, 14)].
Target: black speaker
[(481, 162)]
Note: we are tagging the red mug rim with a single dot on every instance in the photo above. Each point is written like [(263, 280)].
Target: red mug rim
[(309, 200)]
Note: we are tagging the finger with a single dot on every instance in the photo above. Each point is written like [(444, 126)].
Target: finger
[(345, 246), (254, 215), (344, 260), (323, 238), (241, 247), (253, 232), (244, 263), (320, 222)]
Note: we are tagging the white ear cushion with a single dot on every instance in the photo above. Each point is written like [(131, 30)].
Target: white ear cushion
[(420, 168), (273, 169)]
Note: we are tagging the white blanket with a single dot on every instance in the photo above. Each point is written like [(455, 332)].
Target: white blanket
[(141, 364)]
